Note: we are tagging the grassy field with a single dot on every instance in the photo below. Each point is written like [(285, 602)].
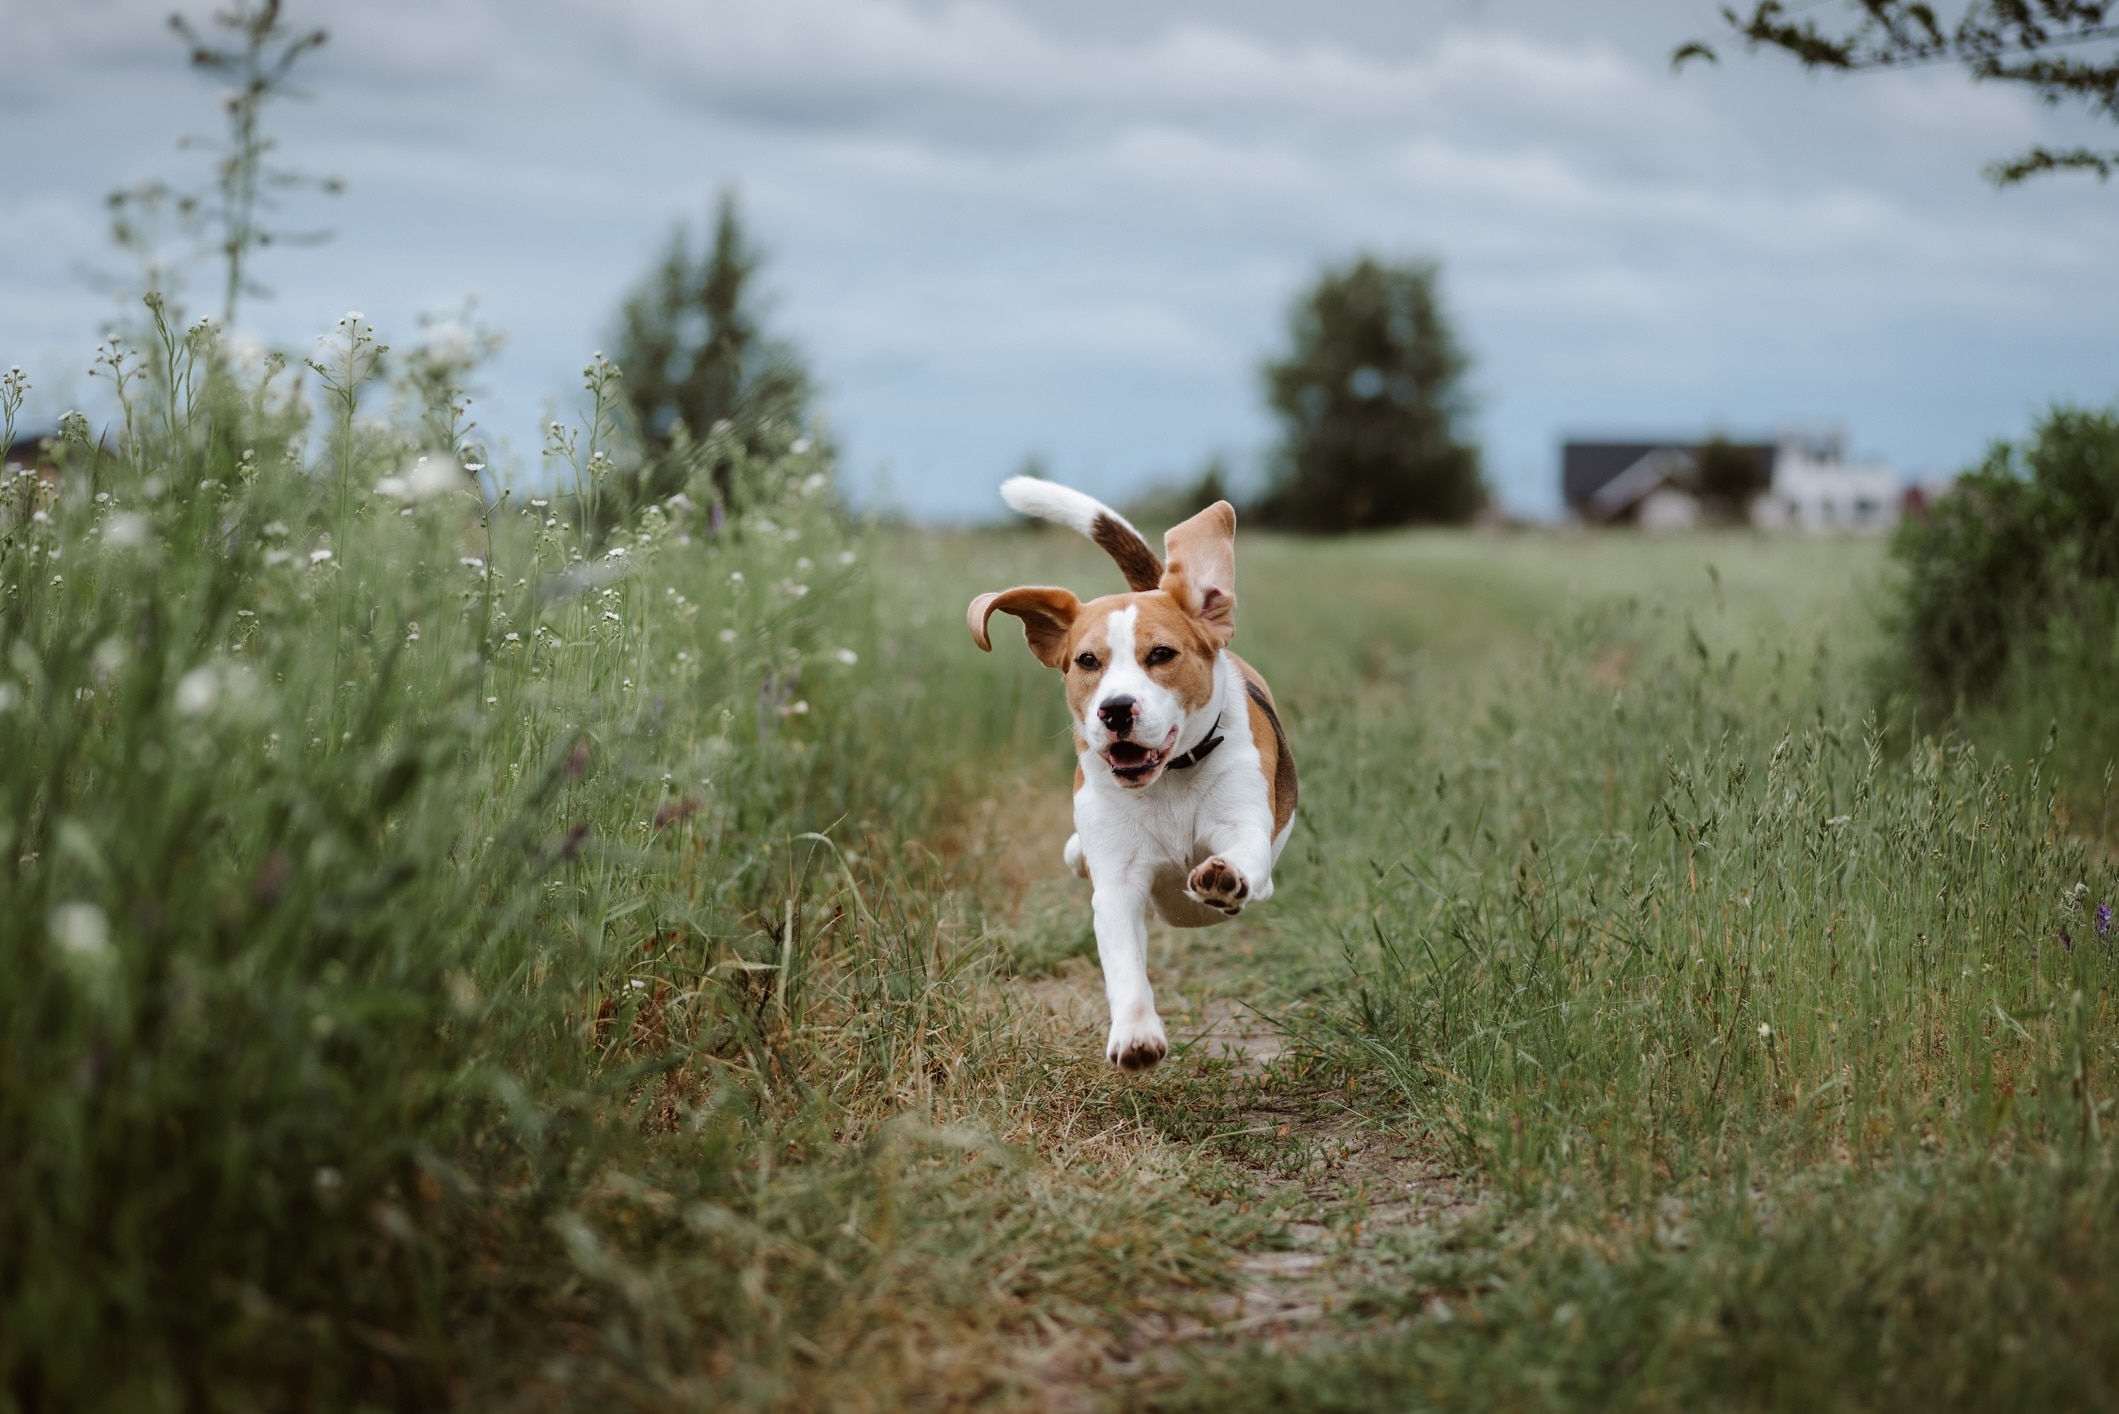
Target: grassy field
[(537, 956)]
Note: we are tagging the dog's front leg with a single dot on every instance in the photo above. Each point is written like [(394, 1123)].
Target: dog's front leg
[(1239, 870), (1120, 906)]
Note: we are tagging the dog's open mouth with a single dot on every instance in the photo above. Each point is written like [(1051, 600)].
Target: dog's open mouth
[(1133, 763)]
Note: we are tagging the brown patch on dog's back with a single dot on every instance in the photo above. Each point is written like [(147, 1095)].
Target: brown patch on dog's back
[(1274, 758)]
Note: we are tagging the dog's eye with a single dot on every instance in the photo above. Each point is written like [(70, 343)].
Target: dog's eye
[(1086, 662), (1160, 654)]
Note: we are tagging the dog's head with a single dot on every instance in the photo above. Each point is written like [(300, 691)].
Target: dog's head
[(1139, 667)]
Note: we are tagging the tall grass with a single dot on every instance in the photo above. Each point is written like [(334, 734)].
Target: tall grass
[(472, 945), (1785, 1052)]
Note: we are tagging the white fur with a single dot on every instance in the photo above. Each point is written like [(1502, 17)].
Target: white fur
[(1140, 848), (1062, 505)]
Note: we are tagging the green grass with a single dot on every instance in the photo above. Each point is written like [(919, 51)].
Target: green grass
[(481, 969)]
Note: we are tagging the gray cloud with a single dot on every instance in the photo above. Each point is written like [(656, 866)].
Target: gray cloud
[(1004, 228)]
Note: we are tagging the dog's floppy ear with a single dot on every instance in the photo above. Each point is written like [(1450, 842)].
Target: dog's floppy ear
[(1201, 574), (1047, 615)]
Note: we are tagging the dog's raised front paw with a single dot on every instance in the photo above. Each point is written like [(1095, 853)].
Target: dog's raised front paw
[(1218, 884), (1137, 1045)]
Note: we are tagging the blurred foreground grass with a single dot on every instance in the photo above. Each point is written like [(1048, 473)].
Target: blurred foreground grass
[(528, 955)]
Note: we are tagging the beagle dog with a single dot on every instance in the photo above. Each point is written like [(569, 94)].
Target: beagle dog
[(1184, 791)]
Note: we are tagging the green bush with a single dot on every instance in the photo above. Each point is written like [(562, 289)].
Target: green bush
[(2028, 536)]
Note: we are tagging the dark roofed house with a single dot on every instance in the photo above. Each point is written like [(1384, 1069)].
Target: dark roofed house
[(1653, 485)]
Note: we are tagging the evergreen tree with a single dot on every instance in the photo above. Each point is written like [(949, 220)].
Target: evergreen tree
[(694, 352), (1372, 405)]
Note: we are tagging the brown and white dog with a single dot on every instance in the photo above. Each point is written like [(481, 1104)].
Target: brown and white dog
[(1184, 791)]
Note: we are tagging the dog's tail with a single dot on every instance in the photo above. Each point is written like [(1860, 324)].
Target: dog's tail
[(1048, 500)]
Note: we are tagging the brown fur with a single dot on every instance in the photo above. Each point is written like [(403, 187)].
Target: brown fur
[(1159, 623), (1124, 545), (1274, 758)]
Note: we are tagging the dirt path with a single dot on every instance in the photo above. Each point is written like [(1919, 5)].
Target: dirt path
[(1358, 1201), (1355, 1201)]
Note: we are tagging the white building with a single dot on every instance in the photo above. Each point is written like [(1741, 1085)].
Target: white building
[(1816, 488)]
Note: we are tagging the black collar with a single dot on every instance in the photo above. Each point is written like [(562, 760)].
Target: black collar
[(1200, 752)]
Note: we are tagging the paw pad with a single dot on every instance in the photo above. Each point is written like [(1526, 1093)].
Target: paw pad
[(1218, 884)]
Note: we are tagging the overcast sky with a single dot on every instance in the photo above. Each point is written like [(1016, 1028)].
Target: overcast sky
[(1072, 230)]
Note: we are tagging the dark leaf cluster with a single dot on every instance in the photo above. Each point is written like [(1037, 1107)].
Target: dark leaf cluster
[(2063, 51)]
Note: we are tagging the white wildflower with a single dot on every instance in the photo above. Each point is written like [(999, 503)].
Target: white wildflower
[(426, 476), (278, 557), (1765, 1031), (847, 557), (198, 691), (512, 638), (317, 557), (846, 656), (125, 530), (727, 635), (616, 552), (81, 930), (275, 528)]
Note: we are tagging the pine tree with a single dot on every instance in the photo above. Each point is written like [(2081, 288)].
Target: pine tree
[(693, 349), (1372, 404)]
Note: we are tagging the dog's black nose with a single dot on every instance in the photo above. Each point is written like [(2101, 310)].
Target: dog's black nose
[(1117, 714)]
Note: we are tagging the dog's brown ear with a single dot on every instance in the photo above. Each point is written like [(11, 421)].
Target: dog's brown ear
[(1047, 615), (1201, 574)]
